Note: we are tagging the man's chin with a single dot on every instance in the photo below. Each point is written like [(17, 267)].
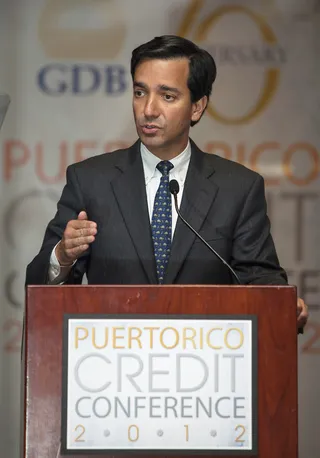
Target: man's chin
[(151, 140)]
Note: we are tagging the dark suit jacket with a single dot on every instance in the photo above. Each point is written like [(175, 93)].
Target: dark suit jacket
[(222, 200)]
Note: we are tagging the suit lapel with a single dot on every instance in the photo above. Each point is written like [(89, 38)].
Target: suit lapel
[(198, 196), (130, 192)]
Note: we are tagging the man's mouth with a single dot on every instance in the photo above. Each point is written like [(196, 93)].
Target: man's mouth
[(150, 128)]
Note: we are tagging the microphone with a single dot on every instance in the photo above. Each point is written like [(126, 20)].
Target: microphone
[(174, 189)]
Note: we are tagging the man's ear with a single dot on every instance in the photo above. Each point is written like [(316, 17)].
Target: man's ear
[(198, 108)]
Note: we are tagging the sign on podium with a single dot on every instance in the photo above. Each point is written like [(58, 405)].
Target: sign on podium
[(148, 383)]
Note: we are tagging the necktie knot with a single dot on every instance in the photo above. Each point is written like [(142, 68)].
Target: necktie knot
[(164, 167)]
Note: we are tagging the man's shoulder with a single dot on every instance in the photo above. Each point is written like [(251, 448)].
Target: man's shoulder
[(231, 168), (226, 172)]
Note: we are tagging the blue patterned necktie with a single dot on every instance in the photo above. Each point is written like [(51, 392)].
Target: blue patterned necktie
[(162, 221)]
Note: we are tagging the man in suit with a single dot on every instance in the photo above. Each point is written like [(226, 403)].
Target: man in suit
[(115, 219)]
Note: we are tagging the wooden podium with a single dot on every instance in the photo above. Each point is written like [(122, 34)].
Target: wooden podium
[(275, 311)]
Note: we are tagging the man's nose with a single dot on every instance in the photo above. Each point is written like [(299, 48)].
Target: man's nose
[(151, 108)]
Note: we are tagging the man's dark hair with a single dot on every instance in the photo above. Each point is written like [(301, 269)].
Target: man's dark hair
[(202, 67)]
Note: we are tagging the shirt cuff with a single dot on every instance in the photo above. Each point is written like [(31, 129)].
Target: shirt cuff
[(57, 274)]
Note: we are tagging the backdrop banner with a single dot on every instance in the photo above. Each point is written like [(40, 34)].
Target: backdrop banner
[(66, 66)]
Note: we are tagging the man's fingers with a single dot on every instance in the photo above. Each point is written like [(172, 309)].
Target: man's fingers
[(77, 237), (71, 243), (302, 311), (81, 224), (84, 232), (77, 251), (82, 215), (302, 321), (300, 305), (66, 256)]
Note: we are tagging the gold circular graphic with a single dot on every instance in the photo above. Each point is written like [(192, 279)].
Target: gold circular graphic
[(100, 35), (271, 76)]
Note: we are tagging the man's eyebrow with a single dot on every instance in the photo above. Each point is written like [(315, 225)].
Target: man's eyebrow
[(139, 84), (163, 87)]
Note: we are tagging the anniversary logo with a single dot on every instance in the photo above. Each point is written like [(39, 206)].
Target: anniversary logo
[(152, 384), (261, 51)]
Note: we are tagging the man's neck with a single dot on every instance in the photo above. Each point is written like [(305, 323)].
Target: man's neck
[(165, 154)]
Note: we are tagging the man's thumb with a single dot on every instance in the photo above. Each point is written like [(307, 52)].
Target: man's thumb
[(82, 216)]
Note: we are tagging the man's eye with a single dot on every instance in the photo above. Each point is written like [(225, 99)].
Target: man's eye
[(168, 97), (138, 93)]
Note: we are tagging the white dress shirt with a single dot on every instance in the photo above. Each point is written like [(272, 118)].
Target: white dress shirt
[(57, 273)]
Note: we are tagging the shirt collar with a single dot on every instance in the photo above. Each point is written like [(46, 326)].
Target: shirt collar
[(150, 162)]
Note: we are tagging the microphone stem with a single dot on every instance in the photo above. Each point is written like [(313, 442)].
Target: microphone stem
[(202, 239)]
